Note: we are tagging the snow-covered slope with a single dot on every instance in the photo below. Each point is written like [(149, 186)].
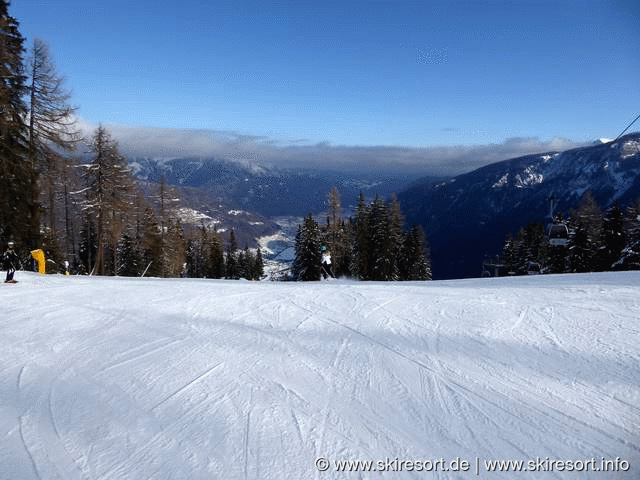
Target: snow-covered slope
[(193, 379)]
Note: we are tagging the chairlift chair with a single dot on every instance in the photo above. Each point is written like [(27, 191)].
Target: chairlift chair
[(558, 235), (534, 268), (557, 232)]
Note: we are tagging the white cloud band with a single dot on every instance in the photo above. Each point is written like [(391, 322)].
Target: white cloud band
[(438, 160)]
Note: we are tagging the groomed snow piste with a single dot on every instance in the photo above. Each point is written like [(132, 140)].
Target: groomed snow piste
[(114, 378)]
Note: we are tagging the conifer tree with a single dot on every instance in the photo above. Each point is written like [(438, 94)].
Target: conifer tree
[(344, 269), (586, 243), (582, 252), (167, 203), (51, 247), (232, 270), (415, 262), (526, 251), (128, 260), (69, 184), (174, 254), (630, 256), (51, 129), (244, 263), (88, 246), (194, 259), (151, 245), (205, 255), (51, 120), (335, 235), (396, 234), (557, 259), (19, 208), (109, 198), (258, 266), (381, 253), (199, 254), (360, 242), (613, 237), (307, 265), (509, 255), (215, 264)]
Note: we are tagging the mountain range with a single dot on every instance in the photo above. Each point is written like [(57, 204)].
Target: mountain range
[(466, 217), (265, 190), (469, 216), (252, 198)]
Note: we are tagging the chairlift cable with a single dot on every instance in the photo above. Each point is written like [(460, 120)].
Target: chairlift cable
[(628, 127)]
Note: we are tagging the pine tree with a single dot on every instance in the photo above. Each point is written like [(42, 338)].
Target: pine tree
[(415, 262), (335, 237), (204, 255), (380, 248), (251, 265), (51, 248), (232, 270), (215, 263), (88, 246), (509, 255), (244, 263), (348, 234), (128, 260), (194, 259), (69, 184), (396, 234), (630, 255), (150, 245), (258, 266), (557, 259), (51, 128), (51, 119), (19, 208), (586, 243), (533, 248), (581, 250), (360, 241), (167, 207), (174, 254), (307, 265), (381, 252), (613, 237), (109, 201)]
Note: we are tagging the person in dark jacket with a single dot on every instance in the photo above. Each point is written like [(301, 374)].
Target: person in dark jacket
[(10, 262)]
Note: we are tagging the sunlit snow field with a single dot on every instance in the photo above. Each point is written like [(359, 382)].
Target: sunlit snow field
[(109, 378)]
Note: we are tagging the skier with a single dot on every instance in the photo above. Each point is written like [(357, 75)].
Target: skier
[(10, 262), (326, 264)]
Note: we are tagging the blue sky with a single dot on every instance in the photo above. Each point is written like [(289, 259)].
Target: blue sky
[(415, 75)]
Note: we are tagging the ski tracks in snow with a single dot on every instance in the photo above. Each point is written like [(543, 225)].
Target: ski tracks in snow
[(257, 380), (37, 427), (491, 400)]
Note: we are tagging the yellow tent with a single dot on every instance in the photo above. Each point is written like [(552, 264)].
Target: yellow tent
[(38, 256)]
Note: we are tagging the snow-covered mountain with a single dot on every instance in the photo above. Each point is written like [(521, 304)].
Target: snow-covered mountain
[(123, 378), (469, 216), (256, 200), (263, 189)]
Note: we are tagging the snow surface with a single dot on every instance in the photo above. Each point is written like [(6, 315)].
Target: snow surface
[(502, 182), (529, 177), (194, 217), (199, 379)]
